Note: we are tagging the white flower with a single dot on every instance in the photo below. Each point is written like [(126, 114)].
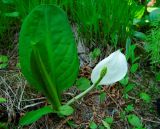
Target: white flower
[(116, 65)]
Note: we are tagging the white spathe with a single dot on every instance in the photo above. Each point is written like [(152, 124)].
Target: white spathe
[(116, 64)]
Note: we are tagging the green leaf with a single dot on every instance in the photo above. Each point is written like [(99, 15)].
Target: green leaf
[(158, 76), (66, 110), (48, 52), (123, 115), (134, 120), (3, 58), (2, 100), (3, 126), (155, 15), (31, 117), (106, 124), (129, 87), (101, 127), (128, 45), (96, 53), (145, 97), (140, 35), (129, 108), (130, 54), (109, 120), (18, 65), (83, 83), (124, 81), (139, 12), (3, 61), (134, 68), (125, 95), (93, 125)]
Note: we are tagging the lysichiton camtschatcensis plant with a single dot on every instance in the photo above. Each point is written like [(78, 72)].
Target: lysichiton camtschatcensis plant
[(48, 57), (49, 60), (48, 52)]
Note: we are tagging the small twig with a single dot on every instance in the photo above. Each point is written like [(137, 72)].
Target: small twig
[(32, 105), (157, 118), (115, 101), (158, 122), (117, 105), (133, 98), (6, 84), (69, 94), (34, 99), (21, 96)]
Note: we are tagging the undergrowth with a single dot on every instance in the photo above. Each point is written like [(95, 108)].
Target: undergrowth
[(153, 45)]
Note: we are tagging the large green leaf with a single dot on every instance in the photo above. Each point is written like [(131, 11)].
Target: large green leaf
[(48, 53), (33, 116)]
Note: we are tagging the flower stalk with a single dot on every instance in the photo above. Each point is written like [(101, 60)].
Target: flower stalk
[(102, 74)]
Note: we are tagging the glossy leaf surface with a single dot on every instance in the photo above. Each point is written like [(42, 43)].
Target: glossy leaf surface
[(48, 53)]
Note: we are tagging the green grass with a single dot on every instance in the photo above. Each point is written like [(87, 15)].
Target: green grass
[(153, 45), (103, 21), (99, 22)]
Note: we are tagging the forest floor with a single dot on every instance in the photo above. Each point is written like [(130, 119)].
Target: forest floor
[(21, 98)]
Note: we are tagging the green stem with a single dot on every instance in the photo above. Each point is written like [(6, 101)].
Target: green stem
[(103, 72)]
